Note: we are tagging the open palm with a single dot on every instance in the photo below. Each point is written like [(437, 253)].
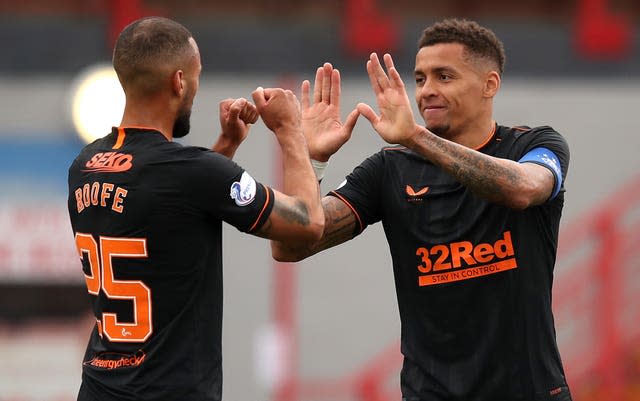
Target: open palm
[(396, 123), (321, 123)]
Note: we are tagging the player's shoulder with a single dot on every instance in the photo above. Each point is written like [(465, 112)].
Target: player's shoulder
[(86, 153), (173, 152), (518, 131), (397, 152), (516, 141), (388, 154), (200, 162), (522, 135), (400, 155)]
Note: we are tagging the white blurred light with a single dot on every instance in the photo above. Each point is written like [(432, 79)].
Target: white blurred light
[(271, 352), (97, 102)]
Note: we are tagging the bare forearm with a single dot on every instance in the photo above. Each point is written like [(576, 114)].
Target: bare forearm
[(339, 226), (225, 146), (299, 180)]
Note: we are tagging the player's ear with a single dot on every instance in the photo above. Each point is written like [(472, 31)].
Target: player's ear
[(492, 84), (177, 83)]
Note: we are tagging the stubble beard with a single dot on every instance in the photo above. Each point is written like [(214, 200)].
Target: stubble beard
[(182, 125)]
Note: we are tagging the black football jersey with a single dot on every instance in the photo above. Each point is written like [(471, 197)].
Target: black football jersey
[(147, 217), (473, 278)]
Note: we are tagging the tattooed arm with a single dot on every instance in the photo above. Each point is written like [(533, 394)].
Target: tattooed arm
[(339, 226), (515, 185), (297, 215)]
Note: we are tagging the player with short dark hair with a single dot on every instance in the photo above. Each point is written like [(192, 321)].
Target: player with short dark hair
[(147, 217), (471, 211), (481, 43)]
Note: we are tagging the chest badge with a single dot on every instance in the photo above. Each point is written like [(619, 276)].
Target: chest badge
[(415, 196)]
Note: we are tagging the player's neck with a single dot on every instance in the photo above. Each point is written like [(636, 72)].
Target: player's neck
[(476, 135), (148, 117)]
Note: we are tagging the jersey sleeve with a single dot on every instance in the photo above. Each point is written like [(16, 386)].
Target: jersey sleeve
[(546, 158), (224, 190), (548, 138), (361, 191)]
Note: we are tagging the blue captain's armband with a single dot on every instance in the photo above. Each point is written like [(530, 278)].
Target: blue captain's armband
[(547, 158)]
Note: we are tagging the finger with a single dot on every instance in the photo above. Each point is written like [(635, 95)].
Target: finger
[(249, 113), (224, 104), (327, 70), (252, 117), (317, 86), (388, 61), (394, 75), (335, 88), (236, 107), (378, 72), (271, 92), (396, 80), (304, 89), (259, 99), (372, 78), (351, 120), (367, 112)]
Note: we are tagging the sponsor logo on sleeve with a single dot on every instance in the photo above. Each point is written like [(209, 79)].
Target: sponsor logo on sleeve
[(463, 260), (243, 191)]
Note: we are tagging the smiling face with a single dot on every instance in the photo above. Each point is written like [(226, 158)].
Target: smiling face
[(453, 90)]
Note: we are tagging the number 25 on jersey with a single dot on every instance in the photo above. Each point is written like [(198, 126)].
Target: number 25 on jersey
[(100, 256)]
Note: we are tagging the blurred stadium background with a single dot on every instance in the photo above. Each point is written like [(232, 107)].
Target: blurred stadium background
[(325, 329)]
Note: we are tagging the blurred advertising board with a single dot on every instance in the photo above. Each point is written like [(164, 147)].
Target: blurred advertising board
[(36, 244)]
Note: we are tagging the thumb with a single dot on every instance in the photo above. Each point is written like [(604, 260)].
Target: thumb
[(351, 120), (236, 108), (367, 112), (258, 98)]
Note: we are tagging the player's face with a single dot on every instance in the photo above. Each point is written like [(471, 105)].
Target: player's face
[(182, 125), (449, 89)]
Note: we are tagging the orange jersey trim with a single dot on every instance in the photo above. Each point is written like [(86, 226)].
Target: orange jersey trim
[(120, 140), (264, 207), (122, 134), (350, 207), (139, 127), (489, 138), (394, 148)]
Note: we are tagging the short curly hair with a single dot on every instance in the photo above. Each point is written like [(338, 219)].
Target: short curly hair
[(479, 41)]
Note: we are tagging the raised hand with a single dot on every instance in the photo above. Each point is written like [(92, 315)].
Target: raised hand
[(321, 123), (395, 124), (236, 116), (279, 109)]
